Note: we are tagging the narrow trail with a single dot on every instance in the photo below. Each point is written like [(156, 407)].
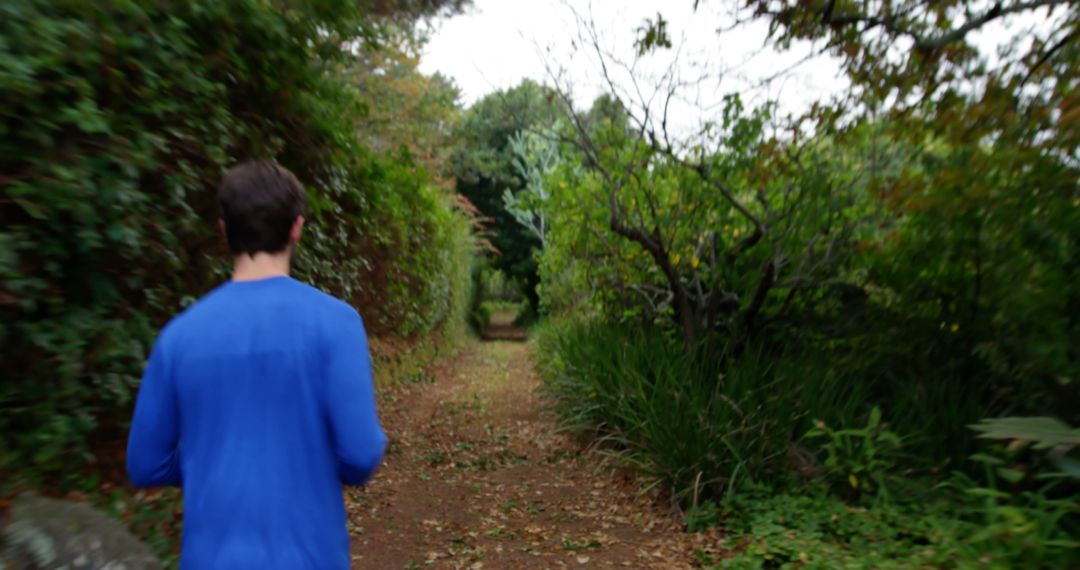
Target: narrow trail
[(476, 477)]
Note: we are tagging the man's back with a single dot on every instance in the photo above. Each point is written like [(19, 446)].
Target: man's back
[(259, 399)]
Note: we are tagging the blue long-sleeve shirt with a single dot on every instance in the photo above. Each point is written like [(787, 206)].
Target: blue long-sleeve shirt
[(259, 401)]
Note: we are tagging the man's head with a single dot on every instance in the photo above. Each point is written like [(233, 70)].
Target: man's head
[(262, 207)]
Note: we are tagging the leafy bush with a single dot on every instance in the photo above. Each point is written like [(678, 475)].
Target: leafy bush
[(1031, 521), (478, 315), (815, 531), (118, 119), (527, 315), (818, 531), (861, 459), (1015, 521), (480, 318), (909, 246), (724, 436)]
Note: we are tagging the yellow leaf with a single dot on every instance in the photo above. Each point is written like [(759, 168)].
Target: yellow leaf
[(695, 262), (853, 480)]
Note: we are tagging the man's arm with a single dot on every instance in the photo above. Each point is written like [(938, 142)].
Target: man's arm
[(358, 439), (153, 458)]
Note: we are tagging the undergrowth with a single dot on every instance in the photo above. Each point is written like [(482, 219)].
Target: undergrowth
[(802, 465)]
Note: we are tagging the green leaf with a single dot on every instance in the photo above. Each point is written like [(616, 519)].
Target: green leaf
[(1011, 475), (1041, 430), (875, 417), (984, 492), (987, 459)]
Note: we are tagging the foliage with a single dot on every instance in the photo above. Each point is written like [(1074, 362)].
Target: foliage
[(913, 250), (155, 518), (727, 242), (816, 531), (928, 54), (406, 12), (819, 531), (1013, 519), (118, 120), (484, 167), (497, 286), (432, 287), (526, 315), (1031, 518), (1042, 433), (404, 110), (984, 201), (491, 288), (480, 318), (535, 156), (700, 426), (723, 438), (862, 458), (652, 35), (919, 235)]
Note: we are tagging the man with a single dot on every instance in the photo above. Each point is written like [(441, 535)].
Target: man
[(259, 399)]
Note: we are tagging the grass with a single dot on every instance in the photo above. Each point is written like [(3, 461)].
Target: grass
[(804, 463), (701, 426)]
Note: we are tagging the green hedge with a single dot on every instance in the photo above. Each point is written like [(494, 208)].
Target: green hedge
[(117, 119)]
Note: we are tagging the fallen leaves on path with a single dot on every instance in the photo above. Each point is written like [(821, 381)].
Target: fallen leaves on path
[(476, 477)]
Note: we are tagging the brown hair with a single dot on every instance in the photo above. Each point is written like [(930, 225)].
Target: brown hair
[(260, 200)]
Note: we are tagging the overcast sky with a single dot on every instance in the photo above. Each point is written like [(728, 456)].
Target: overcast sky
[(497, 43)]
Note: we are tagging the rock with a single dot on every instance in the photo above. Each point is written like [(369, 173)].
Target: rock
[(50, 534)]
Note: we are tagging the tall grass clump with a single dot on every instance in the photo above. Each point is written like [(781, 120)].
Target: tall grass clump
[(702, 426)]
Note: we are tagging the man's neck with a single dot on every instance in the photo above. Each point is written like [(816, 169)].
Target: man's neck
[(262, 265)]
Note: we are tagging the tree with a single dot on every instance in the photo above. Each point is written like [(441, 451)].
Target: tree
[(925, 221), (753, 211), (535, 157), (484, 167), (988, 195), (410, 11), (406, 111)]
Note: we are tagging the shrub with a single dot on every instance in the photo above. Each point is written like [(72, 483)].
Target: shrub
[(118, 118), (973, 528), (480, 318), (860, 459)]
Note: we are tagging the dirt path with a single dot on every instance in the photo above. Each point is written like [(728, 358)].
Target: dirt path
[(475, 477)]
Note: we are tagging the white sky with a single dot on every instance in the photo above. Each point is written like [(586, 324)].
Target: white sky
[(497, 43)]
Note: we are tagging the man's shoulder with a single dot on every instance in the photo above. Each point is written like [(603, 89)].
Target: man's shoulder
[(190, 315), (324, 303)]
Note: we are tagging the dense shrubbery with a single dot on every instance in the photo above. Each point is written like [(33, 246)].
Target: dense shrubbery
[(118, 119), (762, 304), (779, 449)]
